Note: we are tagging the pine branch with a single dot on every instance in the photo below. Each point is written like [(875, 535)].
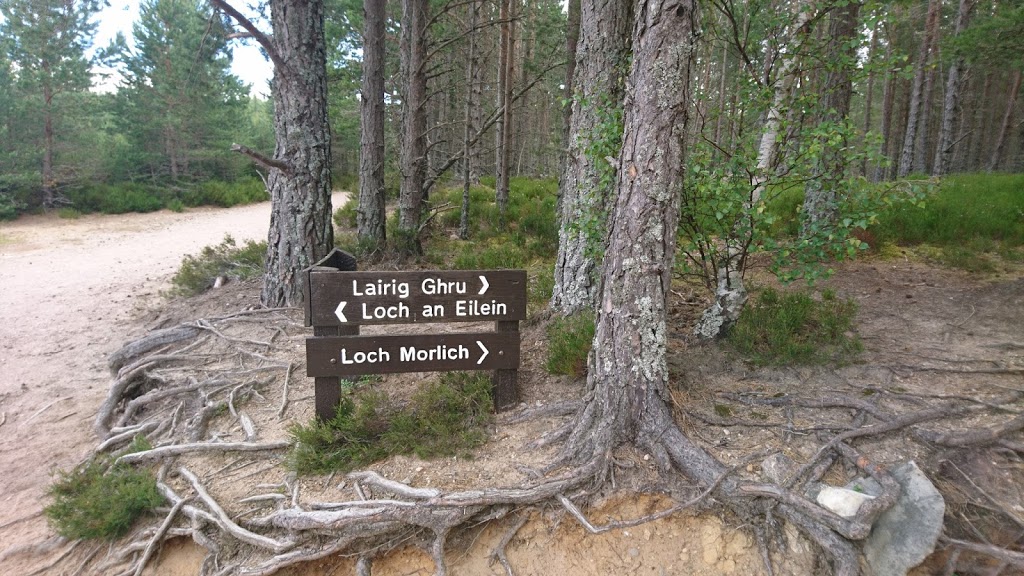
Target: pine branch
[(269, 163)]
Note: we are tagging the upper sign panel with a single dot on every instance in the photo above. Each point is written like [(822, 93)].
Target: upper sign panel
[(340, 298)]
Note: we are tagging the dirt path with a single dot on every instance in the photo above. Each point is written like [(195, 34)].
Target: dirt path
[(71, 292)]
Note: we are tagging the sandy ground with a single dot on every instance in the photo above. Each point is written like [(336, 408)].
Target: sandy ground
[(71, 292)]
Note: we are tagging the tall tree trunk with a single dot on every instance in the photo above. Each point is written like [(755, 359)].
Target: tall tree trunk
[(628, 375), (869, 93), (1004, 129), (821, 194), (505, 84), (470, 128), (602, 57), (924, 128), (370, 218), (572, 37), (951, 105), (414, 122), (724, 72), (300, 171), (300, 221), (888, 99), (49, 195), (917, 91), (980, 123)]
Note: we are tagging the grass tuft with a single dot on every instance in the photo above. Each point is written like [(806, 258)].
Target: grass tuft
[(447, 416), (100, 499), (198, 272), (569, 343), (793, 328)]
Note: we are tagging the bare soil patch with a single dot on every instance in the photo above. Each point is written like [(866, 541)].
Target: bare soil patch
[(930, 334)]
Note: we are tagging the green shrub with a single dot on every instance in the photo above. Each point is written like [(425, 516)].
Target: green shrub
[(542, 284), (793, 328), (447, 416), (345, 217), (100, 499), (67, 213), (176, 205), (198, 272), (498, 256), (569, 343), (225, 194)]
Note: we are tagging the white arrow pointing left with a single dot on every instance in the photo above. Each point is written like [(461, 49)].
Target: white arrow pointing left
[(485, 286), (485, 352), (340, 312)]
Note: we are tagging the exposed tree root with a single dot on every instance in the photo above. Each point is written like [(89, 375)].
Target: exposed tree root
[(170, 387)]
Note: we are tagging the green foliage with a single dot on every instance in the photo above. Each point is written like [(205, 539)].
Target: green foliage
[(794, 328), (447, 416), (100, 499), (965, 207), (198, 272), (345, 217), (569, 343), (542, 285), (178, 105), (490, 256), (69, 214), (226, 194)]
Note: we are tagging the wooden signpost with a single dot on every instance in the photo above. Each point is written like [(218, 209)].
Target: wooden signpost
[(339, 299)]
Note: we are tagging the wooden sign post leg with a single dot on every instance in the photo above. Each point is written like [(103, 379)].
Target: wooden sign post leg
[(506, 394), (327, 391)]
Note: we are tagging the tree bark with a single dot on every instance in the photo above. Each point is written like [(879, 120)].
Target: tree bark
[(951, 105), (370, 217), (49, 196), (1004, 129), (628, 373), (924, 127), (869, 92), (300, 221), (415, 14), (917, 92), (888, 100), (470, 128), (601, 58), (300, 172), (572, 38), (505, 83)]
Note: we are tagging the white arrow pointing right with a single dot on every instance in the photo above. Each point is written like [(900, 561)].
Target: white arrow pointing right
[(340, 312), (482, 347), (485, 286)]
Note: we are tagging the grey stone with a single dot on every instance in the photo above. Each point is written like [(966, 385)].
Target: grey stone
[(905, 535), (865, 484), (777, 468), (842, 501)]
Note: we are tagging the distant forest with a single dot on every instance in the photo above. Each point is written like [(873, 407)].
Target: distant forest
[(935, 89)]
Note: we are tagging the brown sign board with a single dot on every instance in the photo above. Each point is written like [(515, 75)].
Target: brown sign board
[(415, 297), (328, 356)]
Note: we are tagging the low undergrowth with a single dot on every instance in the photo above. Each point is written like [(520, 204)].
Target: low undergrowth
[(448, 416), (569, 343), (198, 272), (793, 328), (101, 499)]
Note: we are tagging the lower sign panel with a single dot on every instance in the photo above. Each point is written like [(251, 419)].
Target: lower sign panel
[(358, 355)]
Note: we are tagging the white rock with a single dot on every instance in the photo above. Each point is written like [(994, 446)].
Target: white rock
[(842, 501)]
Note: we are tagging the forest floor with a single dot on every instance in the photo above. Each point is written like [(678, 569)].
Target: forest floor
[(74, 290)]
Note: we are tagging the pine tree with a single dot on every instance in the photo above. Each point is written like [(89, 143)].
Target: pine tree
[(179, 104), (46, 41)]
